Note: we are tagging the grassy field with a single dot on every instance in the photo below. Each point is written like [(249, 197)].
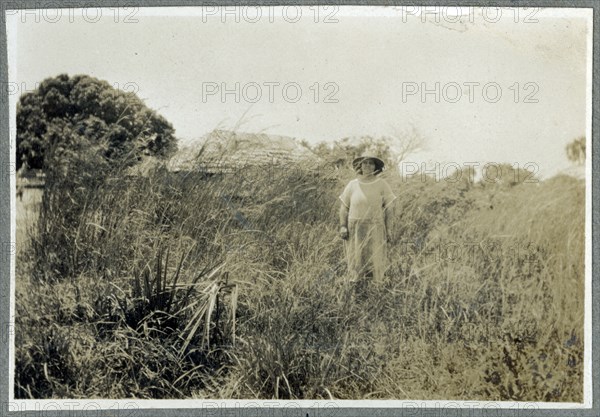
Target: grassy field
[(173, 286)]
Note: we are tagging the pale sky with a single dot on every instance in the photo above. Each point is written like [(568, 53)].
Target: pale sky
[(370, 56)]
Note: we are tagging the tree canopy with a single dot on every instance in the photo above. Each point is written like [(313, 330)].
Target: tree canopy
[(341, 152), (68, 115), (576, 150), (393, 148)]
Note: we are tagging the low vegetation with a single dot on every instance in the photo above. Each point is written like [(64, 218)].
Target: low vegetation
[(182, 286)]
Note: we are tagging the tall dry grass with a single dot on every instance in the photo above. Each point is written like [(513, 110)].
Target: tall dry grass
[(179, 286)]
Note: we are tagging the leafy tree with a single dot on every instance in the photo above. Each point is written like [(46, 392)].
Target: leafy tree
[(341, 152), (576, 150), (84, 134), (393, 148), (66, 115)]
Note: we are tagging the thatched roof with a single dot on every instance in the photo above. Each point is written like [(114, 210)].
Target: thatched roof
[(225, 151)]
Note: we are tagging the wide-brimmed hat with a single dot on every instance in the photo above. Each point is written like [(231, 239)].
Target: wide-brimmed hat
[(379, 164)]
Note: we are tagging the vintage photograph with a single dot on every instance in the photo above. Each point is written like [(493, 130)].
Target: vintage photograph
[(334, 203)]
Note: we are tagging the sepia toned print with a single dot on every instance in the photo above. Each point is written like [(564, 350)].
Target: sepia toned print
[(301, 203)]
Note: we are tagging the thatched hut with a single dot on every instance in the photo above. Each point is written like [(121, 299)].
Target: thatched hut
[(224, 152)]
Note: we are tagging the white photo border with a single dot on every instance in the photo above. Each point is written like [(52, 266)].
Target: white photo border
[(133, 407)]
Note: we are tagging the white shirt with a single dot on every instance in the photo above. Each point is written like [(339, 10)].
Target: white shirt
[(367, 200)]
